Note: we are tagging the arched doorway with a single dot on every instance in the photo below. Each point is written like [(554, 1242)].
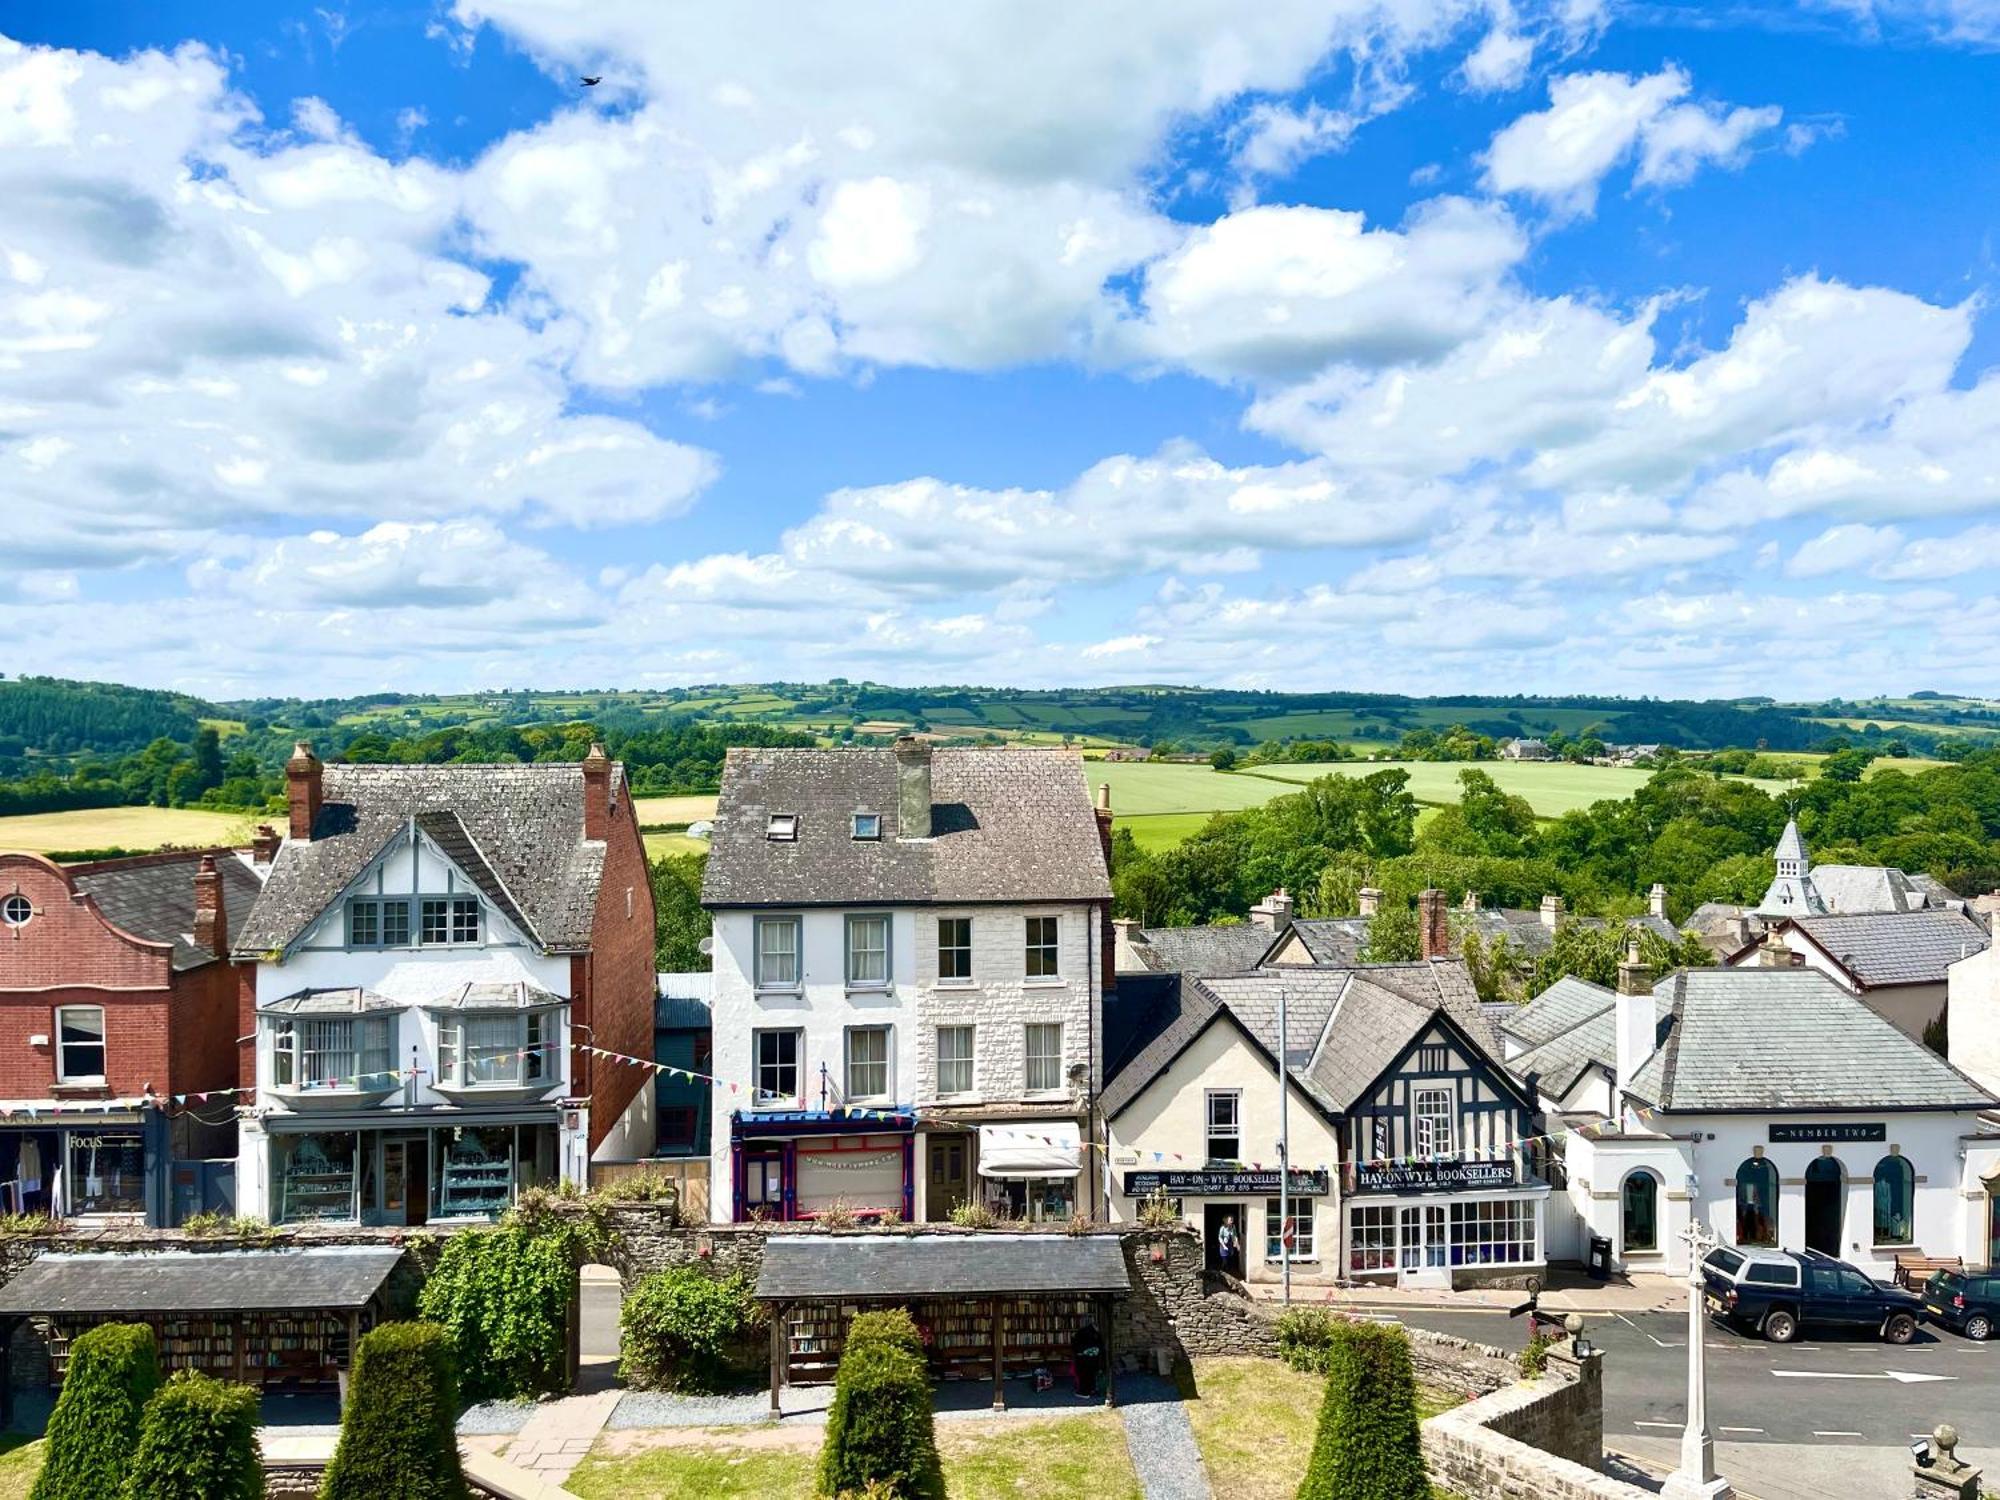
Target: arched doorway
[(1826, 1187)]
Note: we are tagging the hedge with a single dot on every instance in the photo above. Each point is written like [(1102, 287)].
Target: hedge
[(198, 1442), (1368, 1446), (396, 1436), (504, 1297), (879, 1431), (678, 1326), (114, 1369), (1306, 1336), (892, 1326)]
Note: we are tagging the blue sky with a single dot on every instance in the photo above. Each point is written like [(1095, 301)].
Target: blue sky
[(1497, 345)]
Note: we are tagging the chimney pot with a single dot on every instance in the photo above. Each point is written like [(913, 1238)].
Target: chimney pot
[(913, 787), (1470, 901), (1552, 910), (211, 922), (304, 783), (264, 845), (1369, 900), (596, 793), (1433, 932), (1634, 977), (1104, 796), (1274, 912)]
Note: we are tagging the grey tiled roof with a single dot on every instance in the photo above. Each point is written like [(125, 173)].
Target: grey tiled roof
[(517, 829), (1912, 947), (330, 1278), (1007, 825), (1592, 1041), (348, 1000), (1567, 1003), (866, 1266), (1181, 1016), (517, 995), (1789, 1039), (1225, 949), (1333, 940), (153, 897), (1850, 890)]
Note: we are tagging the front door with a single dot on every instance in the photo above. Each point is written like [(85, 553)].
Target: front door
[(405, 1180), (1825, 1188), (948, 1181), (1222, 1237), (1424, 1254), (763, 1185)]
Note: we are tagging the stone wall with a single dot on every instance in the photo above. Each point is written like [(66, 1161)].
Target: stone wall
[(1539, 1439)]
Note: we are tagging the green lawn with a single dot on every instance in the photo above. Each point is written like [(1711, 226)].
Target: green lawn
[(20, 1462), (1155, 832), (1139, 787), (1081, 1457)]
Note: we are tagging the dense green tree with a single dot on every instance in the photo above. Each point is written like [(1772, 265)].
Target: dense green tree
[(114, 1369), (1594, 951), (1368, 1446), (679, 922)]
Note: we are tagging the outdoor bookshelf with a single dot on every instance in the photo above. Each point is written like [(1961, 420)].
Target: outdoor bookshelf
[(308, 1349)]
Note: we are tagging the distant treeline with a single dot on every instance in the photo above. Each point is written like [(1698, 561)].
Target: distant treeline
[(52, 716)]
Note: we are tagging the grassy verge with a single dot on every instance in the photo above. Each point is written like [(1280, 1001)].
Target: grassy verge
[(20, 1462), (720, 1473), (1082, 1456)]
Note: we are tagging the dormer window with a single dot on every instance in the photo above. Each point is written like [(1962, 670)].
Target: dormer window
[(783, 828), (867, 825)]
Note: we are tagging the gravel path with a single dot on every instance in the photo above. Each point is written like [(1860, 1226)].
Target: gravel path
[(1161, 1440)]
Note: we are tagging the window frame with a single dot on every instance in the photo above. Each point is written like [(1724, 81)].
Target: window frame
[(1766, 1171), (1043, 950), (1234, 1134), (849, 925), (102, 1044), (1305, 1223), (1626, 1244), (760, 1097), (1908, 1185), (886, 1064), (970, 1062), (529, 1043), (1428, 1126), (1029, 1056), (965, 948), (16, 910), (370, 1038), (867, 827), (782, 828), (757, 955)]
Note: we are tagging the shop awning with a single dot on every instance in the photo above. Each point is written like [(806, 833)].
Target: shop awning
[(781, 1124), (803, 1268), (1037, 1148), (332, 1278)]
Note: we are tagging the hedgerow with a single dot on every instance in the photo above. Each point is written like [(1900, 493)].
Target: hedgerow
[(198, 1441), (503, 1296), (1368, 1446), (679, 1326), (113, 1371), (397, 1437)]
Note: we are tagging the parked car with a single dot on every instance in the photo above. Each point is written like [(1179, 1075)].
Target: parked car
[(1777, 1292), (1965, 1303)]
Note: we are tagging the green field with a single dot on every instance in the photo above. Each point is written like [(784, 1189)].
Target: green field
[(660, 845), (137, 829), (1141, 786), (674, 812)]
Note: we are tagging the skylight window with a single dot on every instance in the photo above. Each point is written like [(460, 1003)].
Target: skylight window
[(867, 825), (783, 828)]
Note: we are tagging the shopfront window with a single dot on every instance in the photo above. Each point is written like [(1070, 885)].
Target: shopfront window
[(1642, 1212), (1304, 1246), (1038, 1199), (107, 1172), (1372, 1243), (1756, 1203), (1895, 1201), (476, 1168), (339, 1052), (314, 1176), (1493, 1233)]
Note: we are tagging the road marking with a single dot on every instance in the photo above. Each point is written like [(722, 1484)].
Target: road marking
[(1662, 1343), (1902, 1377), (1758, 1430), (1670, 1426), (1818, 1433)]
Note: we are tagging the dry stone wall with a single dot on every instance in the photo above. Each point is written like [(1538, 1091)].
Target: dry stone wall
[(1540, 1439)]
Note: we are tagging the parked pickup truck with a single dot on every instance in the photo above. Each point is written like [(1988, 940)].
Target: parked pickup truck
[(1778, 1292)]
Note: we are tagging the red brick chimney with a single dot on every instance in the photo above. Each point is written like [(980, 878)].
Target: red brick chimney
[(211, 922), (1433, 932), (264, 845), (596, 793), (302, 789)]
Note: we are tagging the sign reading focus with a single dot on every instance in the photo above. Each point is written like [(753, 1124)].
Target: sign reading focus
[(1220, 1184)]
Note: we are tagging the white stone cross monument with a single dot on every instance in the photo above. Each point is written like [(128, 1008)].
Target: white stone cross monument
[(1696, 1479)]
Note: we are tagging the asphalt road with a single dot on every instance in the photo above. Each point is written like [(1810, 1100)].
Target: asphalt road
[(1826, 1417)]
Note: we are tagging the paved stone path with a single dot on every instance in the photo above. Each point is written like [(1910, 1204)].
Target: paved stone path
[(1161, 1439), (560, 1433)]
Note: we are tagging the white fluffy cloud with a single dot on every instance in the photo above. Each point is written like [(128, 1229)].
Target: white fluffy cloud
[(1596, 121)]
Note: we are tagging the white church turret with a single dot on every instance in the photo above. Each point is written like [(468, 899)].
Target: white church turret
[(1791, 893)]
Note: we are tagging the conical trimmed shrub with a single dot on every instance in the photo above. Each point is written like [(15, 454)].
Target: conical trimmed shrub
[(891, 1325), (396, 1437), (1368, 1446), (198, 1441), (879, 1431), (113, 1371)]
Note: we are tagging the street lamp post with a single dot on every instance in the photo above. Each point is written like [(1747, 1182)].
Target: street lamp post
[(1284, 1154), (1696, 1478)]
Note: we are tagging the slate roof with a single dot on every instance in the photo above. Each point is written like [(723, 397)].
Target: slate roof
[(1851, 890), (865, 1267), (1773, 1040), (517, 831), (1333, 940), (1192, 1009), (1791, 843), (1885, 948), (1006, 825), (1592, 1041), (1227, 949), (347, 1000), (1135, 1013), (1567, 1003), (153, 896), (330, 1278)]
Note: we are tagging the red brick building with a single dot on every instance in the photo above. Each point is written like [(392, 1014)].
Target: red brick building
[(115, 991)]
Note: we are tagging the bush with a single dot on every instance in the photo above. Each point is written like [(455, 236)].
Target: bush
[(892, 1326), (1534, 1357), (1368, 1447), (678, 1327), (396, 1436), (973, 1216), (1157, 1211), (113, 1371), (198, 1441), (879, 1431), (1306, 1337), (504, 1296)]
